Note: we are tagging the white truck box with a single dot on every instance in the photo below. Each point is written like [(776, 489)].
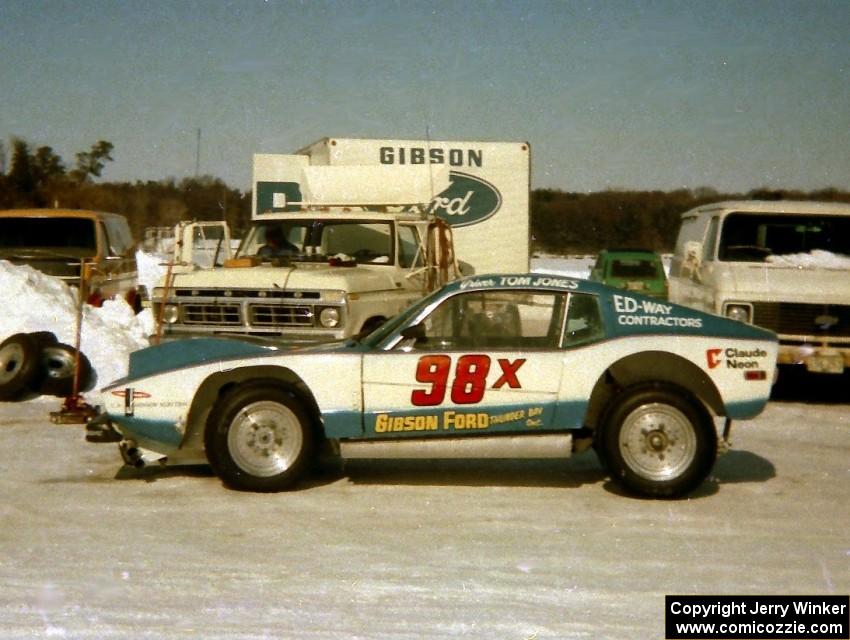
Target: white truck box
[(486, 202)]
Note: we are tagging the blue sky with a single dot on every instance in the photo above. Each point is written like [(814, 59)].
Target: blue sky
[(638, 94)]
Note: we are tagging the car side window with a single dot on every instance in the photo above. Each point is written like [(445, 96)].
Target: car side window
[(584, 321), (496, 319)]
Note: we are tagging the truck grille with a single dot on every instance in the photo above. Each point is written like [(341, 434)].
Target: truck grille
[(269, 315), (800, 319), (217, 314)]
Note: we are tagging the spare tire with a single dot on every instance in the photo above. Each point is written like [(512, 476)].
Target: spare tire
[(19, 365), (43, 338), (57, 371)]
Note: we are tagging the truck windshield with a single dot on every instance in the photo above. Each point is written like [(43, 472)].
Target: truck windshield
[(755, 237), (366, 241), (76, 237)]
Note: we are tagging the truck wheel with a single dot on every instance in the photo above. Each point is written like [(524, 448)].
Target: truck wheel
[(258, 438), (370, 325), (19, 365), (658, 441), (57, 371)]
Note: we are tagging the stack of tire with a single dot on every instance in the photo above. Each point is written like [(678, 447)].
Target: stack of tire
[(34, 364)]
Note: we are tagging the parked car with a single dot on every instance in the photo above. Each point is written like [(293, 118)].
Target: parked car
[(495, 366), (633, 269), (57, 241)]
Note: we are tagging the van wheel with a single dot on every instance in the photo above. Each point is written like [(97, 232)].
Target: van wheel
[(658, 441), (259, 438), (19, 365)]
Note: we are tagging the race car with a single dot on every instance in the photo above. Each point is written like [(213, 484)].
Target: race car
[(504, 366)]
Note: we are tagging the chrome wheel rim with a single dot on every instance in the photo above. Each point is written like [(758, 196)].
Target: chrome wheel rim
[(58, 363), (265, 438), (11, 360), (658, 441)]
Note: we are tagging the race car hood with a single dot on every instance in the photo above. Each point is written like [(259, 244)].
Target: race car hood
[(297, 277), (189, 352), (775, 283)]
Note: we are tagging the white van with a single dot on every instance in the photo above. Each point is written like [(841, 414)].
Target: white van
[(782, 265)]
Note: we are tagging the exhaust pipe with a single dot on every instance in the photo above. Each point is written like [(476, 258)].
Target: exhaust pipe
[(131, 454)]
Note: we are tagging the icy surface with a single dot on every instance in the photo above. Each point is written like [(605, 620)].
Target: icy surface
[(408, 550)]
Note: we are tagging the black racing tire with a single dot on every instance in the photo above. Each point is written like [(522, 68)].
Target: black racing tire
[(19, 365), (259, 438), (56, 377), (657, 441), (44, 338)]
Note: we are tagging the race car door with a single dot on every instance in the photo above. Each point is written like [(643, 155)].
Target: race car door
[(482, 361)]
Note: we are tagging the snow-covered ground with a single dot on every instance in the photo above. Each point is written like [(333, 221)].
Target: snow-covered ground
[(408, 550)]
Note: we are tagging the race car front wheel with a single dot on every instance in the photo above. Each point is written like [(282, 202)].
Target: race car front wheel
[(258, 438), (658, 441)]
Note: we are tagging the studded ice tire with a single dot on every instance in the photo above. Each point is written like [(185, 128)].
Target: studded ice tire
[(19, 365), (657, 441), (258, 438)]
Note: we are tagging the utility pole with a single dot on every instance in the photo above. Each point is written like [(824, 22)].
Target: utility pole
[(198, 155)]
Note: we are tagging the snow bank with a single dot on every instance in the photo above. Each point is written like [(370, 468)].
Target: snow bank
[(570, 266), (152, 268), (38, 302), (816, 259)]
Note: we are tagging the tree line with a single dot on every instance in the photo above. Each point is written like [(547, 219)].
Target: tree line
[(561, 221), (39, 178)]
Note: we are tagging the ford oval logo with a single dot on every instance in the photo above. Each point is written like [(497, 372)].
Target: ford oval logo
[(468, 200)]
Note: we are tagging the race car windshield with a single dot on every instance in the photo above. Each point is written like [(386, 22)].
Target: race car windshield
[(365, 241), (47, 236)]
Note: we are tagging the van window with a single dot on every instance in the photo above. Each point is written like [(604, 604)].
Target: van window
[(753, 237), (67, 236), (118, 236), (710, 247)]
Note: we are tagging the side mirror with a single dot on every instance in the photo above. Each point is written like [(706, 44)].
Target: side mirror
[(692, 260), (415, 332)]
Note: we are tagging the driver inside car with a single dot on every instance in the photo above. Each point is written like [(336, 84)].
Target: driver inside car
[(276, 244)]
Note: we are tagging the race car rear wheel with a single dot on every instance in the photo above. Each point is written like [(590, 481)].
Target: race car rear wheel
[(258, 438), (658, 441)]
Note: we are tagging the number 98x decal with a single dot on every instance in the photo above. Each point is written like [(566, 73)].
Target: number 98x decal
[(469, 382)]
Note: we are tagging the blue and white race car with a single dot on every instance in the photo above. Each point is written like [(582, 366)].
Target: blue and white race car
[(490, 366)]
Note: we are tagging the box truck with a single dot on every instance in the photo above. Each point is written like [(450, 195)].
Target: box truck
[(348, 232)]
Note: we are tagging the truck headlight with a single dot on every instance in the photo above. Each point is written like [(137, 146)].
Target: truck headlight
[(739, 312), (170, 314), (329, 317)]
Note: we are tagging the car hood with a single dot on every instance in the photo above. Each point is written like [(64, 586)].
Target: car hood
[(775, 283), (351, 279), (190, 352)]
